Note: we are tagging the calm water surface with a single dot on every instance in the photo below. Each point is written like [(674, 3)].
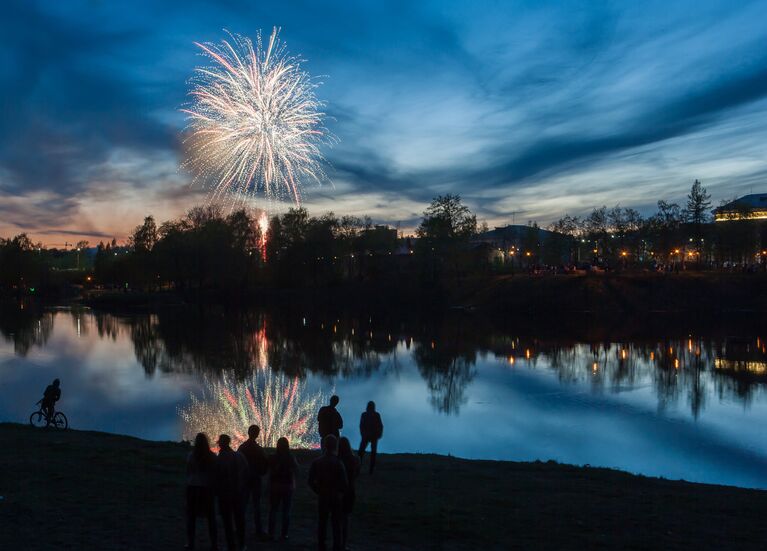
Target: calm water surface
[(689, 406)]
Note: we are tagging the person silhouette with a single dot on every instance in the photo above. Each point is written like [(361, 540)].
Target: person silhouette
[(200, 484), (51, 395), (352, 465), (231, 478), (371, 430), (327, 478), (258, 464), (329, 421), (283, 469)]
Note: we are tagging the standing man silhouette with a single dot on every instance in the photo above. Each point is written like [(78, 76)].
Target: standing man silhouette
[(327, 478), (329, 420), (232, 477), (258, 464), (371, 430)]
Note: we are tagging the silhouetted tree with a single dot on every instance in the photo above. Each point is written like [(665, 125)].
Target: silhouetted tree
[(696, 212), (445, 231)]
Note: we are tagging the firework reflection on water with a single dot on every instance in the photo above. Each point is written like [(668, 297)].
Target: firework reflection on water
[(280, 405)]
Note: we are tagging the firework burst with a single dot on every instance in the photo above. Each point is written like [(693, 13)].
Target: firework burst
[(279, 405), (255, 123)]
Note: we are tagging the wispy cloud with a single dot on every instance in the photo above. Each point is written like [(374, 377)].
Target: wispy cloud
[(534, 108)]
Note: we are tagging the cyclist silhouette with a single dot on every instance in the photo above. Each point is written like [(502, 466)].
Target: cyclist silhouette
[(51, 395)]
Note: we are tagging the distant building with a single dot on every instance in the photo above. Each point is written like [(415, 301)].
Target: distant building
[(748, 207), (512, 236)]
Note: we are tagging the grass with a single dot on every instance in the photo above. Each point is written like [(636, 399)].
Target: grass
[(89, 490)]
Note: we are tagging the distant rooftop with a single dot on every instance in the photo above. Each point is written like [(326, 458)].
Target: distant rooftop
[(755, 205), (510, 232), (755, 200)]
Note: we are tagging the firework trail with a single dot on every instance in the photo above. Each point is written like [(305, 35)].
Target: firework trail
[(279, 405), (263, 226), (255, 124)]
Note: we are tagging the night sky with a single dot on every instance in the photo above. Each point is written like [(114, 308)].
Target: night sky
[(537, 108)]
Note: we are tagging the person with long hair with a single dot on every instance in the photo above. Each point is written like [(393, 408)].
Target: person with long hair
[(352, 464), (283, 469), (200, 489)]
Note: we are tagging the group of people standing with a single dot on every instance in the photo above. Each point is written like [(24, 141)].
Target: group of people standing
[(236, 479)]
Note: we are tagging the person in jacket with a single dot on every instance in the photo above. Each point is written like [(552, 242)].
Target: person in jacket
[(329, 421), (327, 478), (231, 478), (200, 484), (258, 464), (352, 465), (283, 470), (51, 395), (371, 430)]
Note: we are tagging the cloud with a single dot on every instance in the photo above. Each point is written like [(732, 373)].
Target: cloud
[(76, 232), (533, 108), (67, 102)]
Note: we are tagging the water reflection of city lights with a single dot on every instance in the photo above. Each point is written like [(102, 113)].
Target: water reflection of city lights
[(753, 367)]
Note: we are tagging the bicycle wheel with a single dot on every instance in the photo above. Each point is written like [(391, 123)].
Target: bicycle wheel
[(60, 421), (37, 419)]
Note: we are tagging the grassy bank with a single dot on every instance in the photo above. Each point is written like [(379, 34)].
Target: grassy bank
[(604, 294), (87, 490)]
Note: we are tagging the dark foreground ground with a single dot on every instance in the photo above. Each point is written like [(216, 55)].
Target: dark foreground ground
[(87, 490)]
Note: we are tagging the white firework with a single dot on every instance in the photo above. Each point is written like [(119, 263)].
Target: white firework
[(255, 124)]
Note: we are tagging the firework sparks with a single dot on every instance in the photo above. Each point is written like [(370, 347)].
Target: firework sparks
[(255, 124), (279, 405)]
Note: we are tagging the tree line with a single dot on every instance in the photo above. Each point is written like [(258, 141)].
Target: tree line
[(208, 248), (674, 235)]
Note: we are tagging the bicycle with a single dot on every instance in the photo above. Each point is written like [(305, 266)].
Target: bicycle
[(40, 419)]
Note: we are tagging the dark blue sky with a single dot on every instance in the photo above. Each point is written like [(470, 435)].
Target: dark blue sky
[(538, 108)]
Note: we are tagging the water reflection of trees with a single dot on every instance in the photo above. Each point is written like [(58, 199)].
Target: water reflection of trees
[(687, 369), (678, 369), (25, 325), (204, 341)]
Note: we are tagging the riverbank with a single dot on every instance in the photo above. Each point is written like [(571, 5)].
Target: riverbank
[(545, 295), (88, 490)]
